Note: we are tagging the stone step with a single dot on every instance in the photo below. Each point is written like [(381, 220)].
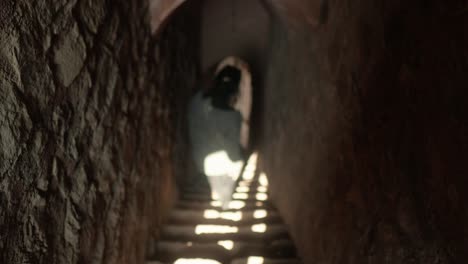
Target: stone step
[(245, 188), (233, 205), (250, 231), (222, 251), (198, 233), (212, 216), (206, 187), (203, 196), (247, 260), (263, 260), (252, 199), (190, 261)]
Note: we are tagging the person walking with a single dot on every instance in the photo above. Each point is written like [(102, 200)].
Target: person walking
[(215, 132)]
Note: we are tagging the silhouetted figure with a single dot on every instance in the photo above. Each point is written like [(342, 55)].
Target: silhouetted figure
[(215, 127), (243, 102)]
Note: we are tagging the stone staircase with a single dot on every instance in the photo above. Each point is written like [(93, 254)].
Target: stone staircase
[(249, 232)]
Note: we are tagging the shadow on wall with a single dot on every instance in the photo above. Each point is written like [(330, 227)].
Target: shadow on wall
[(369, 129), (182, 20)]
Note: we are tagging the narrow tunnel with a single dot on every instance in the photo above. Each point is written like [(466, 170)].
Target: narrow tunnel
[(358, 129)]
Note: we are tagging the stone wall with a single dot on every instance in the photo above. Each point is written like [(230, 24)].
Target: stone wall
[(365, 134), (86, 137)]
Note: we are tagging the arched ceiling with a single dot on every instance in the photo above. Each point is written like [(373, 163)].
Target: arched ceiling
[(160, 10), (312, 12)]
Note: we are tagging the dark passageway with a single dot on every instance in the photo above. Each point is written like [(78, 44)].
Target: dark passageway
[(359, 122)]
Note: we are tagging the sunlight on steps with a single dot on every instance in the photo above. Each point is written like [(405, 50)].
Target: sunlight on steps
[(248, 231)]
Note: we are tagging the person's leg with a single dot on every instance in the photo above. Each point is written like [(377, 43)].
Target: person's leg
[(227, 190), (221, 189), (214, 183)]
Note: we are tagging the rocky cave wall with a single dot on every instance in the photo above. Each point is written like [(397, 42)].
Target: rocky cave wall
[(365, 134), (86, 135)]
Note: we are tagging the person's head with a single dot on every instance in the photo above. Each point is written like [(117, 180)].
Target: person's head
[(226, 88)]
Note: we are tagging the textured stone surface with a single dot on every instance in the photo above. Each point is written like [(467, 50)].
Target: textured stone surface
[(86, 137), (69, 56), (365, 135)]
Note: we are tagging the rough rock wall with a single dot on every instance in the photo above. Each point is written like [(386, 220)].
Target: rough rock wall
[(85, 131), (365, 136)]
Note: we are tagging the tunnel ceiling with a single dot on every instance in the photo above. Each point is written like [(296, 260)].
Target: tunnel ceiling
[(312, 12)]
